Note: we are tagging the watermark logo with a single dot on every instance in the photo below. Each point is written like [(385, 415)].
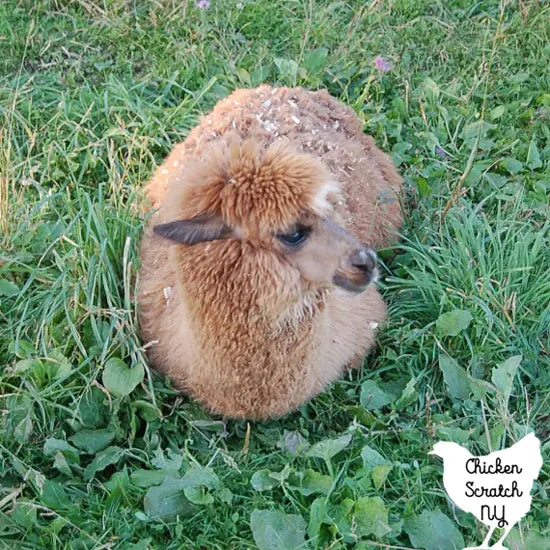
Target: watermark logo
[(495, 488)]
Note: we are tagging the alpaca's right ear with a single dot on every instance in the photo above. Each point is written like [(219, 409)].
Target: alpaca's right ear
[(193, 231)]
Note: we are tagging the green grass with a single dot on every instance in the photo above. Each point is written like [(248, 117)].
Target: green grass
[(92, 95)]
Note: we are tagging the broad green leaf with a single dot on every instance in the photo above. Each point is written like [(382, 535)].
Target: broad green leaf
[(454, 322), (316, 516), (533, 156), (119, 378), (329, 447), (22, 349), (294, 442), (62, 367), (19, 417), (396, 529), (168, 501), (497, 112), (197, 476), (110, 455), (511, 165), (471, 131), (23, 429), (171, 498), (8, 289), (408, 396), (496, 180), (380, 474), (147, 478), (119, 480), (452, 433), (365, 417), (371, 517), (486, 144), (92, 441), (480, 388), (455, 377), (277, 531), (92, 410), (372, 458), (373, 397), (311, 482), (259, 75), (170, 460), (476, 173), (24, 514), (503, 375), (340, 515), (283, 474), (225, 495), (62, 464), (262, 480), (527, 541), (54, 495), (424, 189), (45, 370), (243, 75), (433, 530), (431, 88), (57, 365), (29, 365), (316, 60), (288, 69), (198, 495), (57, 525), (146, 410)]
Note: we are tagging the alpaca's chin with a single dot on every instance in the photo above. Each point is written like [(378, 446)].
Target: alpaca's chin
[(350, 286)]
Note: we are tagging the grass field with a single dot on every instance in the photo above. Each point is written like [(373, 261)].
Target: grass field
[(92, 96)]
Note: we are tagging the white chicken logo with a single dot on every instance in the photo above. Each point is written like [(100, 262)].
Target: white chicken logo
[(495, 488)]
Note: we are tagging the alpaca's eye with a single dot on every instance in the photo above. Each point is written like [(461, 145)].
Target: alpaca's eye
[(295, 237)]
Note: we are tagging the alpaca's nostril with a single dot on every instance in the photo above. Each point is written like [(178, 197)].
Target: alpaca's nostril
[(364, 259)]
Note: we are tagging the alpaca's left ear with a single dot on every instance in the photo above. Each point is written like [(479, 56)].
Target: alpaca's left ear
[(196, 230)]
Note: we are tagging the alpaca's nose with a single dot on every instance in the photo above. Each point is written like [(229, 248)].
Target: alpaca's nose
[(358, 271), (364, 259)]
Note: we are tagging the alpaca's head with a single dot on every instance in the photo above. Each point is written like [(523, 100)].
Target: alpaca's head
[(277, 203)]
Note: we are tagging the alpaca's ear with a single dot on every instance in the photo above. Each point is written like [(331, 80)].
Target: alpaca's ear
[(193, 231)]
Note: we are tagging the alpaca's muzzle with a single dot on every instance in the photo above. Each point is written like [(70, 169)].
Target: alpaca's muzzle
[(361, 270)]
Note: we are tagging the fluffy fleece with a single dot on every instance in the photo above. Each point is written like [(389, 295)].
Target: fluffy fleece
[(231, 320)]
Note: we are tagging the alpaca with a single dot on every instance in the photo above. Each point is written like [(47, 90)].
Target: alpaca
[(257, 266)]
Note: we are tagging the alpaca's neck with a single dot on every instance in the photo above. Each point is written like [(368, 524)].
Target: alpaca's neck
[(304, 309), (245, 302), (245, 332)]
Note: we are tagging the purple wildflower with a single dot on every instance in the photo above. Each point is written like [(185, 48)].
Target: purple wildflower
[(203, 4), (440, 151), (382, 64)]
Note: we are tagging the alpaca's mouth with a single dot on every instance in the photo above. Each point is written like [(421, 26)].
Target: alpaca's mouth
[(357, 281)]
